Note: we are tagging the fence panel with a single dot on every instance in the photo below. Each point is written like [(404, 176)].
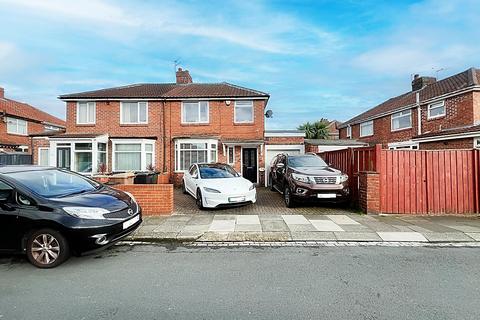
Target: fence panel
[(15, 158)]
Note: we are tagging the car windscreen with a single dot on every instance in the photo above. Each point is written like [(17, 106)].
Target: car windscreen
[(217, 171), (54, 183), (306, 161)]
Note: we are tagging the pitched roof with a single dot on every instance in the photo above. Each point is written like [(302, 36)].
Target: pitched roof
[(169, 91), (462, 80), (23, 110), (446, 132)]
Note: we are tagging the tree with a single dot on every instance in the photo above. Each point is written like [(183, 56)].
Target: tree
[(315, 130)]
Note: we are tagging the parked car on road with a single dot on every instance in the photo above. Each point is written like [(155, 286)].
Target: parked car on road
[(215, 185), (307, 177), (49, 213)]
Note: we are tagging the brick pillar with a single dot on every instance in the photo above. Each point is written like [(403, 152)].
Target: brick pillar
[(369, 191)]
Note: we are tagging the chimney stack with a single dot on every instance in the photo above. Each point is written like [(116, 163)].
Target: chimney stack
[(183, 76), (2, 93), (421, 82)]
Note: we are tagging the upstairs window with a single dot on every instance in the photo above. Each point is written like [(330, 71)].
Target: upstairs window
[(133, 113), (86, 113), (349, 132), (243, 111), (16, 126), (366, 129), (436, 110), (195, 112), (402, 120)]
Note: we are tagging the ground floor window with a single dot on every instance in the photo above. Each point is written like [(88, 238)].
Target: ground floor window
[(83, 156), (133, 155), (476, 143), (43, 156), (231, 155), (189, 151)]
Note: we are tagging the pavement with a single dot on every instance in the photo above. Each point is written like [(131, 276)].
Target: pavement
[(168, 282), (221, 227)]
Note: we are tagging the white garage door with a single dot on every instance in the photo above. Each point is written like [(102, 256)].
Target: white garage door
[(272, 151)]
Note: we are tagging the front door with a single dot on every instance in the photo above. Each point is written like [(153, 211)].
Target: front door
[(63, 158), (249, 164)]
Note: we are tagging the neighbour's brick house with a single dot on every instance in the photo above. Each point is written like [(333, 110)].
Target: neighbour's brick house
[(442, 114), (168, 126), (18, 120)]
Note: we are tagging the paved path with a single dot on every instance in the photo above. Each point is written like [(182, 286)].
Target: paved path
[(352, 227), (154, 282)]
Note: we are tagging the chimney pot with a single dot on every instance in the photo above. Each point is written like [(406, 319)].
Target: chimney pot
[(183, 76)]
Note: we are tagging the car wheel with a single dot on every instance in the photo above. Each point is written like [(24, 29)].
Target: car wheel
[(184, 189), (199, 200), (47, 248), (288, 198)]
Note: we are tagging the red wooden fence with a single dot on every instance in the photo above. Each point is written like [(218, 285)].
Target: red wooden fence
[(416, 182)]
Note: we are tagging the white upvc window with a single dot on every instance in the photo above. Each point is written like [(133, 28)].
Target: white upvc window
[(43, 156), (86, 113), (231, 155), (133, 112), (195, 112), (243, 112), (401, 120), (349, 131), (17, 126), (190, 151), (133, 155), (436, 110), (476, 143), (366, 129)]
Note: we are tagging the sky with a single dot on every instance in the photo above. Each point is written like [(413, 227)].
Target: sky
[(317, 59)]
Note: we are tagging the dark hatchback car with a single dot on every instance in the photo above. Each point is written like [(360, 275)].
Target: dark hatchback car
[(50, 213), (307, 177)]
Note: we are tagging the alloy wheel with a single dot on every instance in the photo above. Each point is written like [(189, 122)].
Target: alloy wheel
[(45, 249)]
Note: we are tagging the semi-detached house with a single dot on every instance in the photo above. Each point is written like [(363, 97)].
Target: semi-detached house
[(168, 126), (442, 114)]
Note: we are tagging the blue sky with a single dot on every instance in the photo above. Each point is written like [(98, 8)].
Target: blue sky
[(317, 59)]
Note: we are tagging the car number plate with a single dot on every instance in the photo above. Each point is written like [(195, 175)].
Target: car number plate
[(236, 199), (326, 195), (127, 224)]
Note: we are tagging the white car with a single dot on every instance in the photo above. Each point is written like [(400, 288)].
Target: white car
[(217, 185)]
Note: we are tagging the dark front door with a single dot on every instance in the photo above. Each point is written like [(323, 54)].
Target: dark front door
[(63, 158), (249, 164)]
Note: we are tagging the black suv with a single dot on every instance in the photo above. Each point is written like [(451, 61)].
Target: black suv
[(307, 177)]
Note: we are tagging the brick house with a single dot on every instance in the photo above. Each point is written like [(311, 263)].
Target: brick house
[(443, 114), (167, 125), (18, 120)]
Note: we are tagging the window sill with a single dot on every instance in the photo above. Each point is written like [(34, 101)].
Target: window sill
[(133, 124), (85, 124), (199, 124), (369, 135), (18, 134), (402, 129), (244, 123), (436, 117)]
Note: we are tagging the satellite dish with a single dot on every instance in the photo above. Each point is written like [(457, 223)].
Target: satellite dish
[(269, 114)]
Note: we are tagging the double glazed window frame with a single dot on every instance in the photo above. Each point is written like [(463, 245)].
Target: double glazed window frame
[(436, 105), (89, 104), (364, 124), (349, 131), (138, 112), (199, 118), (143, 152), (399, 115), (244, 104), (12, 121), (209, 151)]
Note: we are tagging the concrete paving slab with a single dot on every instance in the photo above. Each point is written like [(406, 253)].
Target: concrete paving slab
[(248, 227), (427, 227), (317, 217), (295, 219), (180, 217), (222, 226), (201, 219), (325, 225), (269, 217), (259, 236), (273, 225), (342, 219), (357, 236), (464, 228), (170, 227), (196, 228), (379, 226), (447, 237), (189, 235), (301, 227), (402, 236), (214, 236), (248, 219), (315, 235), (474, 235), (225, 217), (356, 228)]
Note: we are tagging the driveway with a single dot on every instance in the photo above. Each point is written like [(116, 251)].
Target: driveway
[(268, 203)]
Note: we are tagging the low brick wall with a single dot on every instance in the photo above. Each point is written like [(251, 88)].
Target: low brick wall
[(369, 191), (155, 199)]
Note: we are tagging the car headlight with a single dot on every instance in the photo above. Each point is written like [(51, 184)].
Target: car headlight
[(343, 178), (251, 187), (211, 190), (86, 212), (301, 177)]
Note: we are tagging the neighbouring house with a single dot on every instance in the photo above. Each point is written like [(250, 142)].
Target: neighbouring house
[(443, 114), (333, 132), (18, 120), (165, 125), (324, 145)]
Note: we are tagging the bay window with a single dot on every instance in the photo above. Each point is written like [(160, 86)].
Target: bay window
[(243, 112), (16, 126), (190, 151), (366, 128), (401, 120), (83, 157), (133, 155), (86, 113), (195, 112), (133, 113)]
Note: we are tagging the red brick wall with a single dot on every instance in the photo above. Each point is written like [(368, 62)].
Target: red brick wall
[(284, 140), (476, 107), (155, 199), (466, 143), (32, 127), (369, 192), (37, 143)]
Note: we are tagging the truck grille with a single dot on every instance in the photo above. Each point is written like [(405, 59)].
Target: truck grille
[(325, 180)]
